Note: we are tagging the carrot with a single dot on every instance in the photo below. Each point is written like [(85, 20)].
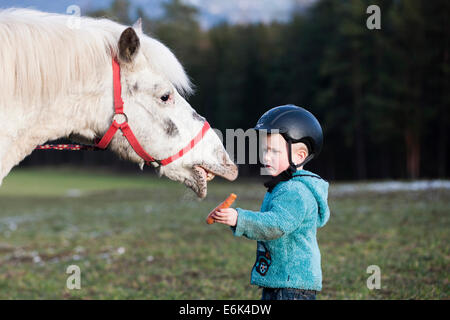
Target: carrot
[(226, 204)]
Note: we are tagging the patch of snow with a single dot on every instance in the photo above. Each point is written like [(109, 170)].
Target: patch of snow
[(73, 193), (76, 257), (389, 186)]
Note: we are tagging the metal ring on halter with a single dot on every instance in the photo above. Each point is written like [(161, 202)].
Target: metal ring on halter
[(121, 114)]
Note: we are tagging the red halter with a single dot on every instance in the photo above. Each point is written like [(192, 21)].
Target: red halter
[(126, 130)]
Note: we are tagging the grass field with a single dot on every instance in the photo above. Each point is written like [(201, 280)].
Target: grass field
[(140, 237)]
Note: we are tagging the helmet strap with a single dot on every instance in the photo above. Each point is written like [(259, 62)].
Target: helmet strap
[(292, 166)]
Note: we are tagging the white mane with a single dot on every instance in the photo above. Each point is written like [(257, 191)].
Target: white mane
[(42, 56)]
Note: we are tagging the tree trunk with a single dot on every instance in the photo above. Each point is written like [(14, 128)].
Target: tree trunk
[(442, 148), (412, 153), (443, 116), (361, 171)]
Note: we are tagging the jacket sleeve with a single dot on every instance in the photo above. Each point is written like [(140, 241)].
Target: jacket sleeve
[(285, 214)]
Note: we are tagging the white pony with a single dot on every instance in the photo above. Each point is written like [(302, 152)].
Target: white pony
[(56, 81)]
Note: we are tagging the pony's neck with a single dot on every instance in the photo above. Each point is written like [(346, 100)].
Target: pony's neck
[(80, 116)]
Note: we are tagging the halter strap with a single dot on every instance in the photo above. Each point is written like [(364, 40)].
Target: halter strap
[(128, 133)]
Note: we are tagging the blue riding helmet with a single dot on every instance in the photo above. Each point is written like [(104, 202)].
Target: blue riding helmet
[(295, 124)]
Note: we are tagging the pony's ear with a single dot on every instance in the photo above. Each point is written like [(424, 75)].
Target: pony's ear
[(128, 45), (138, 25)]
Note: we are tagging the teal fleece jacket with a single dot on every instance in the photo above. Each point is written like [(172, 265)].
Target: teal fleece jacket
[(287, 254)]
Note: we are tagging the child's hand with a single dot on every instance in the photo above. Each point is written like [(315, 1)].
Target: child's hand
[(226, 216)]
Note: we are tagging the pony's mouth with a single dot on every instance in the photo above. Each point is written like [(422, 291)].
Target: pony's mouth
[(204, 173)]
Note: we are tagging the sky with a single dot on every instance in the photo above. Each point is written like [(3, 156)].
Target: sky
[(211, 11)]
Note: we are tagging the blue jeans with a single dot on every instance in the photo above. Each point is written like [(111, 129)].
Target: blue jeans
[(287, 294)]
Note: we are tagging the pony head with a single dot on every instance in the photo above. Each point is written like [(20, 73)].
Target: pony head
[(153, 85)]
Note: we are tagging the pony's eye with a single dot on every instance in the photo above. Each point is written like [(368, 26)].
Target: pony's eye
[(165, 97)]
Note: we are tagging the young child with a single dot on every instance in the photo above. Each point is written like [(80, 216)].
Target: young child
[(287, 263)]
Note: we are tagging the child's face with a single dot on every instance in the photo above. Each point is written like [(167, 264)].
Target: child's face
[(275, 154)]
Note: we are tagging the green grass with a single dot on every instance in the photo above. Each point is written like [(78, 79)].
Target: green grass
[(141, 237)]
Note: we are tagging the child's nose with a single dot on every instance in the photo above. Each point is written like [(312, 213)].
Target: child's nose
[(266, 158)]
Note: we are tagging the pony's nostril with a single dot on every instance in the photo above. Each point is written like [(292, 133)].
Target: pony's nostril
[(224, 157)]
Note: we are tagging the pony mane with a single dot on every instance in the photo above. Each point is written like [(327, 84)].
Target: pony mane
[(42, 56)]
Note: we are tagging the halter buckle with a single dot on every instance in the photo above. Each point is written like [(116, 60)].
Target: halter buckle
[(122, 116)]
